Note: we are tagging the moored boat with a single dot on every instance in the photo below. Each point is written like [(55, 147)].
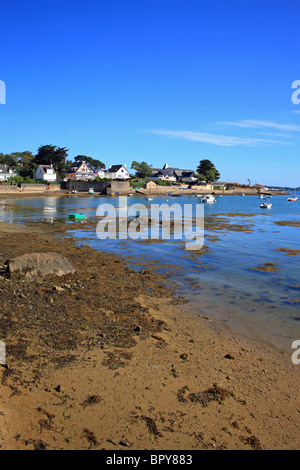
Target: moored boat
[(209, 198), (76, 216)]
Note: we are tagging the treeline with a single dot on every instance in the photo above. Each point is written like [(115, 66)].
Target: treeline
[(26, 163)]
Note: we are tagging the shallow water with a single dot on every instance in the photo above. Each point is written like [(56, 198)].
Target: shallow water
[(221, 283)]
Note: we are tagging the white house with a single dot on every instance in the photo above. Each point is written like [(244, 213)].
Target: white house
[(80, 171), (46, 173), (6, 172), (99, 173), (173, 174), (117, 172)]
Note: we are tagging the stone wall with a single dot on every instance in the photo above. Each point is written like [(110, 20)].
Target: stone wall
[(100, 187)]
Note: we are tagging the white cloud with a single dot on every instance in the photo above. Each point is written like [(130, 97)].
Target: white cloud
[(222, 140), (253, 124)]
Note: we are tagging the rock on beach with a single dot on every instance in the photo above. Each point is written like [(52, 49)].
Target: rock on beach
[(33, 265)]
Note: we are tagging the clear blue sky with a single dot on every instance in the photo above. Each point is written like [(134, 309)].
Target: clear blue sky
[(157, 81)]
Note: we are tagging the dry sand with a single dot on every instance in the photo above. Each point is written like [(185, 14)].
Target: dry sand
[(97, 360)]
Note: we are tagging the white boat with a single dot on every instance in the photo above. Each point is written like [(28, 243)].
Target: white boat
[(294, 198), (149, 198), (266, 205), (91, 191), (209, 198)]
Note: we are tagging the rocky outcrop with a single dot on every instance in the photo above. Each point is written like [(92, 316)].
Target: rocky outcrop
[(39, 265)]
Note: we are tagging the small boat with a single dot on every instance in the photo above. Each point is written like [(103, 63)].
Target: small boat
[(177, 195), (149, 198), (76, 216), (198, 195), (91, 191), (266, 205), (294, 198), (209, 198), (130, 195)]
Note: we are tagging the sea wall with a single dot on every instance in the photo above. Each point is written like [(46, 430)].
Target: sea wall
[(100, 187)]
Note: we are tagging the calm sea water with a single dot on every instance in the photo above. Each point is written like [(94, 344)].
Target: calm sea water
[(220, 284)]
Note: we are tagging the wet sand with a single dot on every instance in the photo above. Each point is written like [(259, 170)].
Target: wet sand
[(110, 358)]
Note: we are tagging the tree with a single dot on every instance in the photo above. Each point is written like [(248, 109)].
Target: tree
[(91, 162), (52, 155), (207, 169), (8, 160), (25, 163), (142, 170)]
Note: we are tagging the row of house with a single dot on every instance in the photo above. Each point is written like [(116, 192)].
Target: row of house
[(82, 171)]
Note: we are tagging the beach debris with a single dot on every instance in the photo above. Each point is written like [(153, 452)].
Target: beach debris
[(34, 265), (185, 357), (151, 426), (229, 356), (181, 394), (91, 400), (215, 393), (252, 441), (90, 437)]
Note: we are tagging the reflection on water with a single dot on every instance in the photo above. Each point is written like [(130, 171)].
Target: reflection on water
[(219, 283)]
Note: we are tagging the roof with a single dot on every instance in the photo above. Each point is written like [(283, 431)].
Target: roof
[(187, 174), (174, 172), (46, 167), (4, 168), (75, 167), (115, 168)]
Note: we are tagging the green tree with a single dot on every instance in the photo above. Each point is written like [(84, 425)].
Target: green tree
[(208, 171), (142, 170), (25, 163), (9, 160), (92, 162), (52, 155)]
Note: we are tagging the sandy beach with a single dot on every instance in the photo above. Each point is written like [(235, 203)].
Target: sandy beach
[(110, 358)]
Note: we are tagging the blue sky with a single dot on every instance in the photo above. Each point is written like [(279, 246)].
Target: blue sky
[(156, 81)]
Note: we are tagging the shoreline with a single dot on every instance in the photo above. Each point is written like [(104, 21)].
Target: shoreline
[(163, 191), (145, 363)]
